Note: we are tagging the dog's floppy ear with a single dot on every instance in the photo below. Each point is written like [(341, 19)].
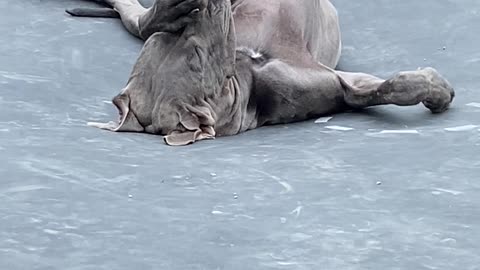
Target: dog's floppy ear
[(198, 124)]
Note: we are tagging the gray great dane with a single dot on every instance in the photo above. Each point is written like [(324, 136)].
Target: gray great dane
[(213, 68)]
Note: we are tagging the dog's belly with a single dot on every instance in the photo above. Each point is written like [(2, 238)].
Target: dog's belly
[(289, 29)]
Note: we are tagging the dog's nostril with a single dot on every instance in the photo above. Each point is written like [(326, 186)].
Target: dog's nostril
[(195, 11)]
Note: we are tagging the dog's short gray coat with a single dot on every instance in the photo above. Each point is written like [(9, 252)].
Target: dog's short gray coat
[(218, 67)]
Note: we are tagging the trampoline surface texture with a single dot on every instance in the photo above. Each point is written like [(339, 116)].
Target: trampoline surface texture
[(299, 196)]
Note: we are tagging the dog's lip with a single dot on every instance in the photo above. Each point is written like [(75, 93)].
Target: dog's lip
[(122, 112)]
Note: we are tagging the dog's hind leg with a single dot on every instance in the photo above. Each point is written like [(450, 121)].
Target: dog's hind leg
[(409, 88)]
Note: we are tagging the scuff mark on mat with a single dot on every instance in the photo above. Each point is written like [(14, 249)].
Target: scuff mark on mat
[(23, 77), (26, 188), (474, 104), (438, 191), (297, 211), (323, 120), (287, 187), (461, 128), (339, 128), (400, 131)]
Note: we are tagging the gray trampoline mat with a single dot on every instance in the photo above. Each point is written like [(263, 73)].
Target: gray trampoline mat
[(298, 196)]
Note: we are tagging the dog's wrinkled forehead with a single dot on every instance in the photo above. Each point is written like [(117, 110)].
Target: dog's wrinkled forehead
[(213, 38), (221, 8)]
